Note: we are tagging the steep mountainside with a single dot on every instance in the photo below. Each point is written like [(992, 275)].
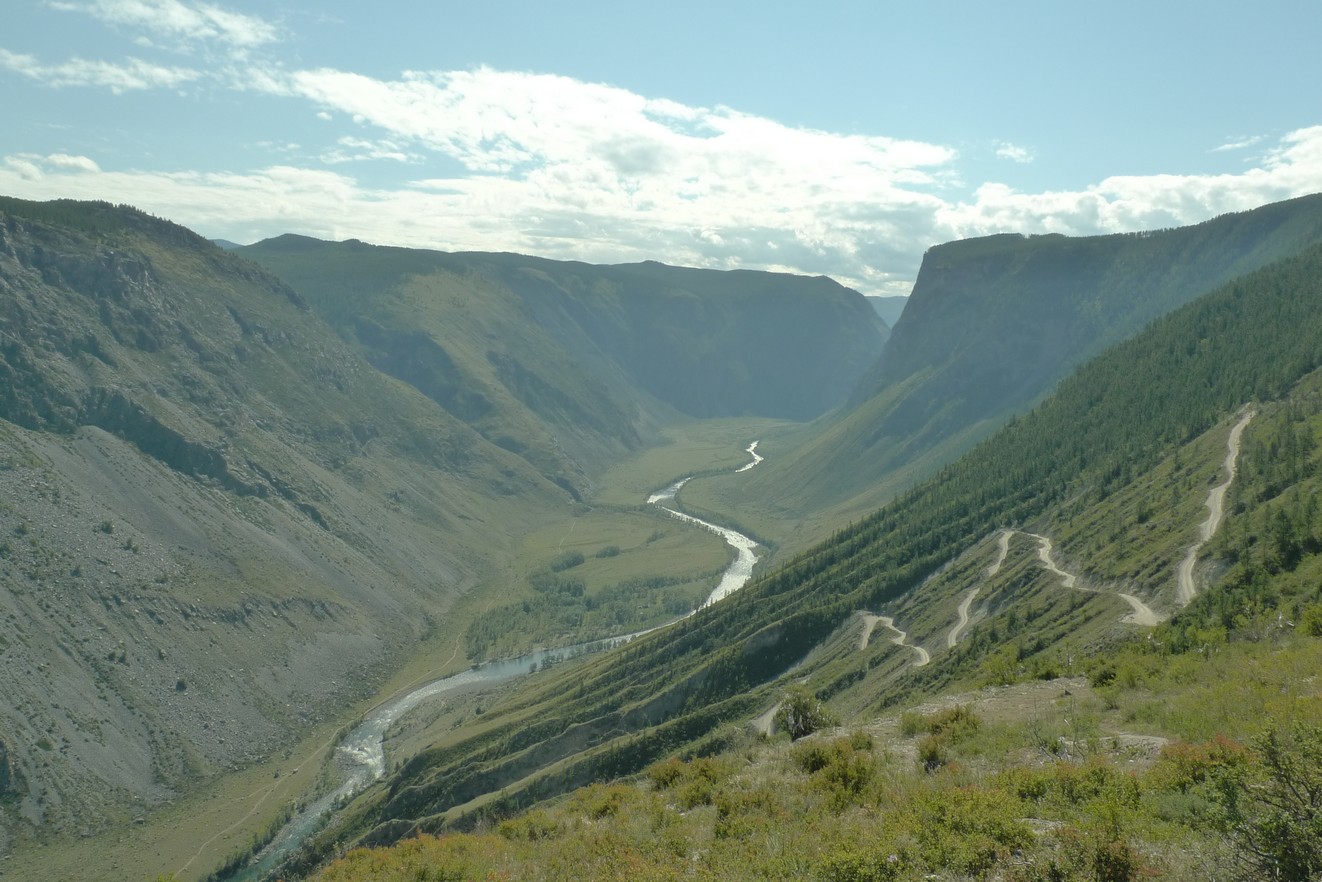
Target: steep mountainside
[(218, 523), (230, 511), (555, 354), (993, 324), (1157, 409)]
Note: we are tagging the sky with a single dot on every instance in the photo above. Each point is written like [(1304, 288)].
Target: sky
[(839, 139)]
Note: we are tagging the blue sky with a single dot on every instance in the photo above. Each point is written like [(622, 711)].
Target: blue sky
[(839, 138)]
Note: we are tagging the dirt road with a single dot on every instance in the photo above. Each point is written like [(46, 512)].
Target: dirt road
[(1216, 500)]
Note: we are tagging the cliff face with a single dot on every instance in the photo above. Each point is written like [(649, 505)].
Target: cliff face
[(218, 523), (994, 323), (606, 344), (1022, 311), (230, 504)]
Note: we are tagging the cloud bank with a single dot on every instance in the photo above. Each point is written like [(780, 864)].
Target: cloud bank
[(544, 164)]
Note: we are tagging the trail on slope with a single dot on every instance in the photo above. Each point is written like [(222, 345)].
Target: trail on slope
[(1216, 499), (766, 721), (1142, 614), (869, 624), (901, 639), (1002, 549)]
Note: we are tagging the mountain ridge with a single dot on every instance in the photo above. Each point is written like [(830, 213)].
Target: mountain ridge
[(1172, 383), (993, 324)]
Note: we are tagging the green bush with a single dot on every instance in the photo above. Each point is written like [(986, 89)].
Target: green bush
[(874, 865), (666, 773), (802, 713), (566, 560), (1310, 622), (1272, 811), (932, 752)]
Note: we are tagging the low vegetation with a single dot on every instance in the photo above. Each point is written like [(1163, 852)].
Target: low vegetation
[(1056, 799), (863, 806)]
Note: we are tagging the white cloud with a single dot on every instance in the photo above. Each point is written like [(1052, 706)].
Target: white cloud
[(1014, 153), (178, 20), (1125, 203), (22, 169), (73, 163), (350, 149), (1239, 144), (576, 169), (33, 167), (552, 166), (130, 75)]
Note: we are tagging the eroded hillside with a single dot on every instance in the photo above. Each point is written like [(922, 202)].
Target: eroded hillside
[(1156, 412), (219, 523)]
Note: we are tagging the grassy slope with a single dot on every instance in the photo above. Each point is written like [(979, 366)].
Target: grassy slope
[(1115, 769), (1111, 773), (1121, 416), (993, 324), (198, 472)]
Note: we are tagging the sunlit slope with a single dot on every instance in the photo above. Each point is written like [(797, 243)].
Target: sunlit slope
[(220, 524), (1177, 386), (1010, 712), (992, 325)]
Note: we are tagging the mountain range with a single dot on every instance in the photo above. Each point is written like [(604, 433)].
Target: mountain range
[(248, 489)]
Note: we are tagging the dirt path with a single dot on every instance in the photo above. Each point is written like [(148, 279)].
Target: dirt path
[(1002, 549), (1142, 614), (869, 624), (1044, 549), (1216, 500), (901, 639)]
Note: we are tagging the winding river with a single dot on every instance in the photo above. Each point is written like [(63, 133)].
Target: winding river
[(741, 569), (360, 759)]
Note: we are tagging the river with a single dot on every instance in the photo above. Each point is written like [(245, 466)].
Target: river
[(741, 568), (360, 759)]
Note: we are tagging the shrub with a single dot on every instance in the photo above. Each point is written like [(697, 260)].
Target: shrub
[(957, 722), (1310, 623), (911, 723), (966, 830), (566, 560), (1273, 812), (1183, 765), (603, 800), (932, 752), (532, 826), (695, 783), (608, 551), (664, 774), (944, 728), (860, 740), (1099, 857), (875, 865), (802, 713)]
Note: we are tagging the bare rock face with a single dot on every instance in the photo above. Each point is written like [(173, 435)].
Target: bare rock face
[(199, 555)]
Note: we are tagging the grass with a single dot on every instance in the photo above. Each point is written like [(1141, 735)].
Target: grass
[(1035, 780), (650, 543)]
